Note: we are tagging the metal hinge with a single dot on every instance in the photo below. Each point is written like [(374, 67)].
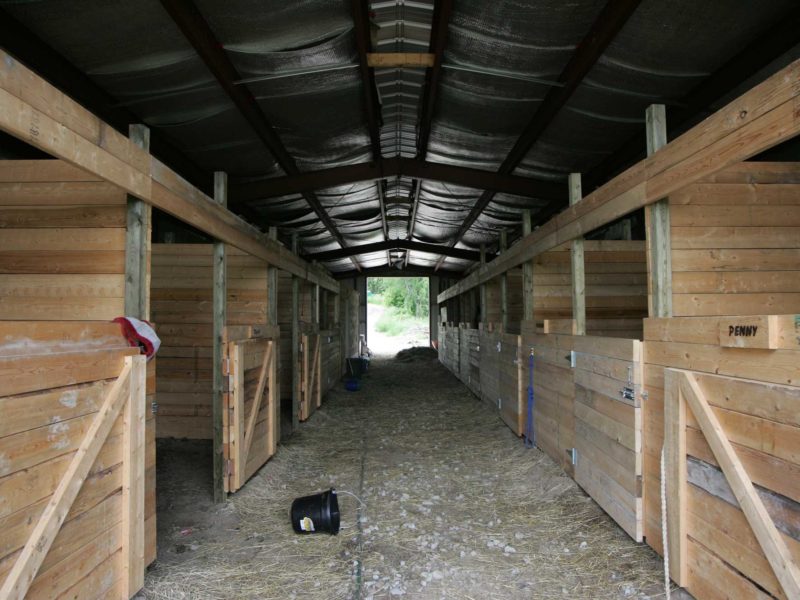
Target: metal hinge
[(573, 455), (154, 408), (572, 358), (226, 366), (499, 404)]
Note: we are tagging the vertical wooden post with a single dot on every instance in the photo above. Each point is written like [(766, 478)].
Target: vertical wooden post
[(133, 457), (527, 273), (433, 308), (219, 319), (675, 475), (272, 286), (295, 342), (137, 242), (578, 268), (483, 310), (659, 256), (504, 286), (272, 319)]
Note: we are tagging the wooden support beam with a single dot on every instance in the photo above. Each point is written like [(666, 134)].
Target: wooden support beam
[(399, 60), (133, 468), (761, 118), (200, 35), (272, 286), (137, 241), (484, 298), (220, 318), (385, 168), (504, 286), (362, 32), (527, 274), (36, 112), (675, 474), (768, 536), (398, 244), (295, 345), (440, 23), (577, 262), (603, 31), (28, 562), (659, 247)]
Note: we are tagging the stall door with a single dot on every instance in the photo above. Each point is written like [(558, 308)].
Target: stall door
[(310, 375), (251, 434), (608, 426)]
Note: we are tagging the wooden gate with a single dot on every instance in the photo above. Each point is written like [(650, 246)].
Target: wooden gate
[(110, 422), (310, 375), (608, 426), (251, 416), (734, 441)]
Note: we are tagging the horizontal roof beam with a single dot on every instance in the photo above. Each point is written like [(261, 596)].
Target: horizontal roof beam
[(761, 118), (407, 271), (394, 60), (394, 167), (393, 245)]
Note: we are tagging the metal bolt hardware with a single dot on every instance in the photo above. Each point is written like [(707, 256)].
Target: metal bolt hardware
[(154, 408), (628, 393), (571, 357)]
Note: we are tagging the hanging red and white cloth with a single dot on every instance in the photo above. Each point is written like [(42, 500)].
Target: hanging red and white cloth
[(141, 334)]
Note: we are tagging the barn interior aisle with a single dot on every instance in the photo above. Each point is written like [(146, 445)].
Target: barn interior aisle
[(455, 507)]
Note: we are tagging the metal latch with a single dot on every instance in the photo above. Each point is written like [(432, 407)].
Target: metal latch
[(628, 393)]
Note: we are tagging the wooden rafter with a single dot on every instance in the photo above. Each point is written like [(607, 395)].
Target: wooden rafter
[(441, 20), (197, 31), (761, 118), (776, 41), (608, 23)]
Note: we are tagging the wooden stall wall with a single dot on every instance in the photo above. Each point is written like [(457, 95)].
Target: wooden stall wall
[(501, 376), (735, 250), (285, 323), (331, 340), (62, 244), (56, 376), (182, 306), (616, 289), (736, 242), (62, 278), (754, 394)]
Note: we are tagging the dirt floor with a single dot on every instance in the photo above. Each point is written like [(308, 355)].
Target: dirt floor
[(455, 507)]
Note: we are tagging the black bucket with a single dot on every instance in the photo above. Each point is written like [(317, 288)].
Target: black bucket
[(317, 513)]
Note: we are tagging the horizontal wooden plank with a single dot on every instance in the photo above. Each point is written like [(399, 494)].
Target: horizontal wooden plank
[(23, 374), (84, 239), (775, 366), (735, 237), (60, 193), (748, 215), (89, 216), (734, 282), (58, 261), (734, 304), (725, 259)]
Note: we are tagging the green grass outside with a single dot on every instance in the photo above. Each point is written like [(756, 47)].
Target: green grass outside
[(393, 323)]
